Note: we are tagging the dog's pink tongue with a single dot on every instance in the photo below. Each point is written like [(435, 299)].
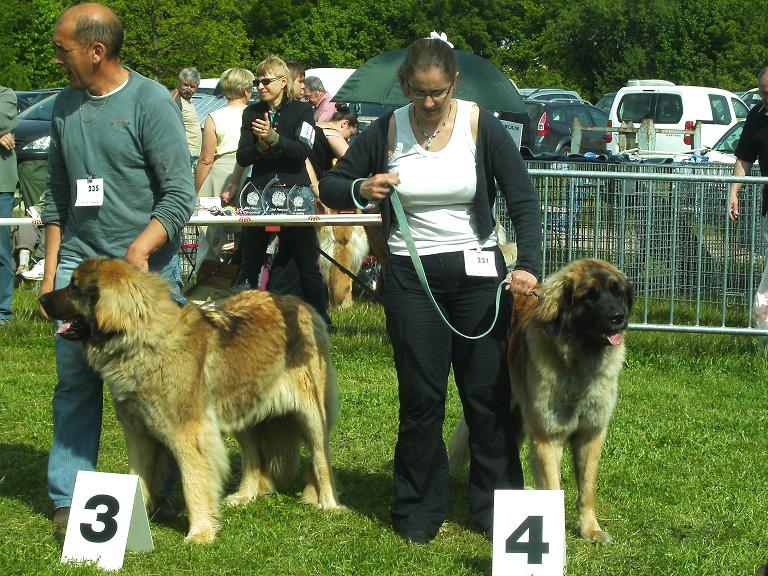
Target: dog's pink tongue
[(616, 339), (64, 327)]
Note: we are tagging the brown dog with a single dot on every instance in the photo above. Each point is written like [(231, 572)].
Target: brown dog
[(258, 366), (566, 350)]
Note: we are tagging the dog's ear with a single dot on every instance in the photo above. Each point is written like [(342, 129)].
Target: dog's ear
[(120, 305), (556, 299)]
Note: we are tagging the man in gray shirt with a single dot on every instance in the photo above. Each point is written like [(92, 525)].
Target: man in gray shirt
[(119, 185)]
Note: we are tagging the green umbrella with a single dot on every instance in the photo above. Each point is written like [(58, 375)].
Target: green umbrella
[(480, 81)]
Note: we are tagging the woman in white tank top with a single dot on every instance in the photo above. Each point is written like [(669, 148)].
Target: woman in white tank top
[(444, 157)]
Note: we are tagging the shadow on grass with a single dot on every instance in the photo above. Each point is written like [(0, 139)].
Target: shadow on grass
[(23, 472)]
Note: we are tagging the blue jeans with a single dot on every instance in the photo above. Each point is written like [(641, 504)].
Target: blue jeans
[(6, 258), (77, 401)]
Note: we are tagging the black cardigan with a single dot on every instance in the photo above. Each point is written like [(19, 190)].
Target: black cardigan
[(497, 161), (287, 157)]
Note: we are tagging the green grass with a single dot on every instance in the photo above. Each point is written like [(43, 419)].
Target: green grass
[(682, 484)]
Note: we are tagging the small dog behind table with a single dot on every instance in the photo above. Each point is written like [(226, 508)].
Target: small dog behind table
[(257, 365), (566, 350), (349, 246)]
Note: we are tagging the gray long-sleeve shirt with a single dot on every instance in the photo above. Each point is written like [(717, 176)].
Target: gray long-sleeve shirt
[(134, 140)]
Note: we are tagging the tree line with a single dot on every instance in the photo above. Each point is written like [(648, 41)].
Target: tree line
[(593, 46)]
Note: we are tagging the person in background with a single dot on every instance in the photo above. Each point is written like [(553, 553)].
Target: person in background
[(189, 80), (444, 157), (9, 177), (218, 155), (276, 139), (338, 131), (297, 73), (753, 146), (315, 94), (119, 185)]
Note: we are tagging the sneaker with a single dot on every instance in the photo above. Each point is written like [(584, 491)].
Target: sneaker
[(36, 272), (21, 269)]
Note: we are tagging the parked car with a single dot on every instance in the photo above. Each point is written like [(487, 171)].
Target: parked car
[(33, 133), (676, 107), (25, 98), (546, 94), (551, 123), (750, 97), (724, 150), (606, 102)]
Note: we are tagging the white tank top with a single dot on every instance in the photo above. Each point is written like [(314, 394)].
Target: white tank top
[(437, 189), (228, 121)]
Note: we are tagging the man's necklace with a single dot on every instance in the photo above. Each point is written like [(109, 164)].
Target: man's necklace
[(428, 143), (99, 110)]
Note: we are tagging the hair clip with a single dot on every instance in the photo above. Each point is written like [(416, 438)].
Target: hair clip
[(442, 36)]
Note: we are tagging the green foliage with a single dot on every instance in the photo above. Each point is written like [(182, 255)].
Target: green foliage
[(594, 46), (164, 36)]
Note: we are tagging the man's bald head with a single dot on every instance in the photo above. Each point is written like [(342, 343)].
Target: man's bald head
[(92, 22)]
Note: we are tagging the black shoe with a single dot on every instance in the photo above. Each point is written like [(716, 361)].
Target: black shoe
[(60, 521), (415, 536)]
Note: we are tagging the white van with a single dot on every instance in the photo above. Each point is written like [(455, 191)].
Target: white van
[(676, 107)]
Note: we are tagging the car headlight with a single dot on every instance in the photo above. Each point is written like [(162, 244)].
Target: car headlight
[(41, 144)]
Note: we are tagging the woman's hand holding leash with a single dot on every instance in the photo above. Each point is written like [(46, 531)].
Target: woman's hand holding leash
[(379, 186), (520, 282)]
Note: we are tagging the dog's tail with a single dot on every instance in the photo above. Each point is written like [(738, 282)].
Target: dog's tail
[(278, 442), (458, 449)]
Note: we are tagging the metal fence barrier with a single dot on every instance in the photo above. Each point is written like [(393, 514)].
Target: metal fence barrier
[(667, 227)]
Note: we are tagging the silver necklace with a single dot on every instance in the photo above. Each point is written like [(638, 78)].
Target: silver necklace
[(100, 109), (428, 143)]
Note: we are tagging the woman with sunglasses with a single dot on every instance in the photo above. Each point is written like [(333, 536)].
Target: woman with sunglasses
[(444, 157), (276, 139)]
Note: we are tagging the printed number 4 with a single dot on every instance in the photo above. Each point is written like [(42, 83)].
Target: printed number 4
[(107, 518), (535, 547)]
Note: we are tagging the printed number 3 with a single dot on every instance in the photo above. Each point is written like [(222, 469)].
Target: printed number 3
[(107, 518), (535, 547)]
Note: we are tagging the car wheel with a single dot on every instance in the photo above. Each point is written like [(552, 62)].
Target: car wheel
[(565, 150)]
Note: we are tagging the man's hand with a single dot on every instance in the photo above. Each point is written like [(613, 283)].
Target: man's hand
[(7, 141), (137, 257)]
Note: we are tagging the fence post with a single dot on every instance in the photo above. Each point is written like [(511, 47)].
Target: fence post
[(646, 135), (576, 136)]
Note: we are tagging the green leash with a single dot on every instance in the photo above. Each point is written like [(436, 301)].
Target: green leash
[(400, 215)]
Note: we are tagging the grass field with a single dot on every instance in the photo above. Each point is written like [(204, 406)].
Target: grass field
[(682, 486)]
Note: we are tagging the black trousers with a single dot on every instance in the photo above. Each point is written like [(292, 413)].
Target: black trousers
[(425, 349), (297, 242)]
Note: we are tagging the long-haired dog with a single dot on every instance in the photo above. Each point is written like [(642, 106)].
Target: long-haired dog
[(566, 349), (349, 246), (258, 366)]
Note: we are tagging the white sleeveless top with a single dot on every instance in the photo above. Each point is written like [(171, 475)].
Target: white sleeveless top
[(437, 189), (228, 121)]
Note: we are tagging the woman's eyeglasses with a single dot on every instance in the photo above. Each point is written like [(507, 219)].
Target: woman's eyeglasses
[(434, 94), (266, 81)]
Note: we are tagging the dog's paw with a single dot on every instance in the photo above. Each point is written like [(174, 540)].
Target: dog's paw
[(200, 537), (238, 499), (597, 535)]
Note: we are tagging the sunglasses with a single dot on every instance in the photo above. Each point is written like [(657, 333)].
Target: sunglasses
[(266, 81), (435, 94)]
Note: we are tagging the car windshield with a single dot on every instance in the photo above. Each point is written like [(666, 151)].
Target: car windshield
[(730, 139), (42, 111)]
